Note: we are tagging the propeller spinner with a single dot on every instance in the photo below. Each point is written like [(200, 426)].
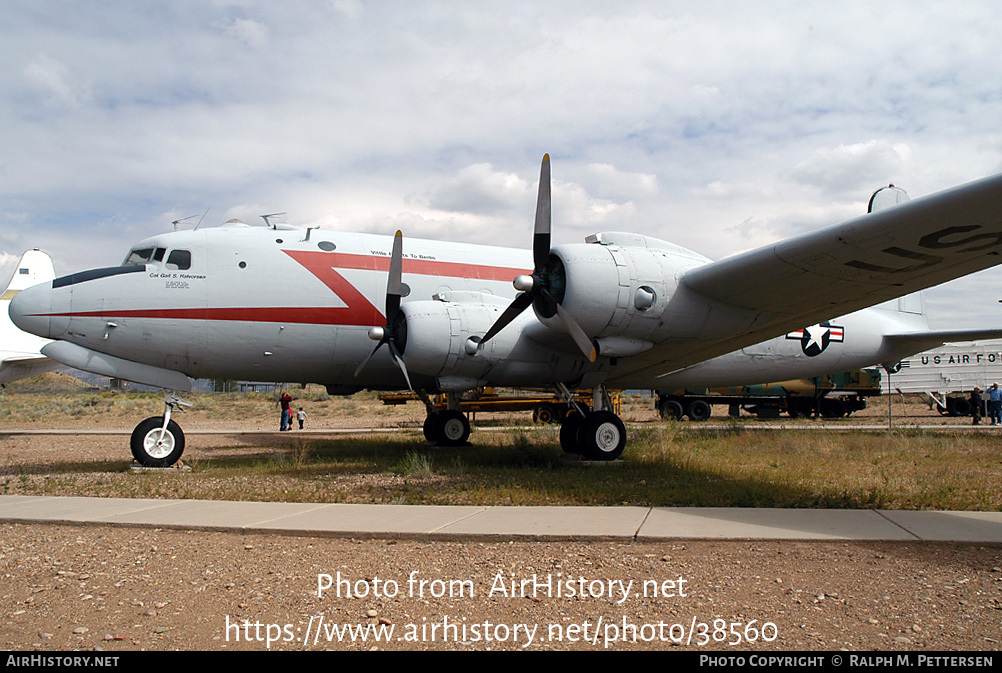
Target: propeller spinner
[(547, 277)]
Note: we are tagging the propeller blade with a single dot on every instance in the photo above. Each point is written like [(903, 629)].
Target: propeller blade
[(393, 284), (369, 357), (541, 230), (578, 334), (400, 364), (521, 302), (393, 291)]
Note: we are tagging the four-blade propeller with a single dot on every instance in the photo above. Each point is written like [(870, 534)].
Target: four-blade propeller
[(546, 280), (537, 290)]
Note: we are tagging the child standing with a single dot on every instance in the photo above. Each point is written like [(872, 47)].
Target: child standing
[(300, 416)]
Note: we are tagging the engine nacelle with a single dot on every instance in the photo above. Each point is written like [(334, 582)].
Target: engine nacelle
[(441, 337), (618, 285)]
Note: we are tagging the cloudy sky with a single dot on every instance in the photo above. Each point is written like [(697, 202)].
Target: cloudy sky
[(720, 127)]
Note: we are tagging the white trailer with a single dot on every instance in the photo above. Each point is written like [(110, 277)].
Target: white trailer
[(948, 374)]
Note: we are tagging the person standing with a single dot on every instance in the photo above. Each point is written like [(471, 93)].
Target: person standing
[(300, 416), (284, 401), (995, 404), (976, 405)]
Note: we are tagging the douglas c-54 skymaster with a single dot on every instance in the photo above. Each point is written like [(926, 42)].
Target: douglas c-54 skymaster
[(621, 310)]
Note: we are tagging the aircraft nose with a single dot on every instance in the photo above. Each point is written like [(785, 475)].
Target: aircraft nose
[(30, 308)]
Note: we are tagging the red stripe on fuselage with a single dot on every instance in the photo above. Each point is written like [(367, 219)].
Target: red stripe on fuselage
[(422, 267), (357, 310)]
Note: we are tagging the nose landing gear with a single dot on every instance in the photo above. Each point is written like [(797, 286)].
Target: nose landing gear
[(158, 441)]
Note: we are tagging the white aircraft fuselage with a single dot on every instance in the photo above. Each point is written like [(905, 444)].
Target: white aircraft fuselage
[(266, 305), (618, 311)]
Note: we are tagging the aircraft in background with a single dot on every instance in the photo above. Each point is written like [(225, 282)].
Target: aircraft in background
[(20, 352), (621, 310)]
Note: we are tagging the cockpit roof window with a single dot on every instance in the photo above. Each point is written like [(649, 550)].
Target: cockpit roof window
[(138, 256)]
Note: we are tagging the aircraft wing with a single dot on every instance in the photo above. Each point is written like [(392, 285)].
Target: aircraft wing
[(14, 368), (865, 261), (838, 270)]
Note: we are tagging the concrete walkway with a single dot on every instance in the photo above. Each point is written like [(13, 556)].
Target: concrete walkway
[(644, 524)]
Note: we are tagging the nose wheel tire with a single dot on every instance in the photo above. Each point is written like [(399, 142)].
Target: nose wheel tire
[(150, 449)]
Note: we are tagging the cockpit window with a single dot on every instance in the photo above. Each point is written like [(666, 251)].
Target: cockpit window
[(158, 256), (139, 256), (179, 260)]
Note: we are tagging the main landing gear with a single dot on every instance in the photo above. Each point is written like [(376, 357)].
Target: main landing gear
[(596, 434), (158, 441), (445, 428)]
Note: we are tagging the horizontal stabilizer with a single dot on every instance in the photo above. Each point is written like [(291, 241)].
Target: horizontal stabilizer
[(917, 342)]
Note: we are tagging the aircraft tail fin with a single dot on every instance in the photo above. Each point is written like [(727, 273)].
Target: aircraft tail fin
[(34, 267)]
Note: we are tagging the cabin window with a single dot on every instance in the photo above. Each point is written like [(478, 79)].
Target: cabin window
[(179, 260)]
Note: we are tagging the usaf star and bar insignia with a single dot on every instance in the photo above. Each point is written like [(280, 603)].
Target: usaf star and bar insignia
[(815, 339)]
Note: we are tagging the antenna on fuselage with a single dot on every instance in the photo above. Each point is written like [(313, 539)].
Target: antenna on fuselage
[(201, 218), (183, 219), (265, 218)]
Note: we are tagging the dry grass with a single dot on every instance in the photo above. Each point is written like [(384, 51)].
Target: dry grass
[(665, 464)]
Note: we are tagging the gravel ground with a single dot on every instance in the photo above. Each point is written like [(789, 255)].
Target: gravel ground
[(104, 588)]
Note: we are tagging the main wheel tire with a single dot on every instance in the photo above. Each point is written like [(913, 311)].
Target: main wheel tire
[(602, 436), (150, 450), (699, 410), (453, 428), (569, 432), (432, 427)]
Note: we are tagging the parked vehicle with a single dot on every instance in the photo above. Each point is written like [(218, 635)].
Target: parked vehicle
[(832, 396)]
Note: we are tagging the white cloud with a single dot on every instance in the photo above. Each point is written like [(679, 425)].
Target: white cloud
[(250, 33), (854, 167), (56, 82), (481, 189)]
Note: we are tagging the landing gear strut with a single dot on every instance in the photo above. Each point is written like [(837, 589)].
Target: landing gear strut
[(158, 441), (596, 434)]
